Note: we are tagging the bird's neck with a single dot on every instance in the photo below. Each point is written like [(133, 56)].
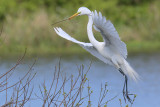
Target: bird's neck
[(90, 33)]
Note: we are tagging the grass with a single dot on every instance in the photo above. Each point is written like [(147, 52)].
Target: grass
[(143, 47), (138, 26), (133, 47)]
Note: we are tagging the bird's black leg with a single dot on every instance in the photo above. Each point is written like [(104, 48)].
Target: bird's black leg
[(125, 87)]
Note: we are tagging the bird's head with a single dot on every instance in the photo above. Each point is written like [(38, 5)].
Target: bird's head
[(81, 11)]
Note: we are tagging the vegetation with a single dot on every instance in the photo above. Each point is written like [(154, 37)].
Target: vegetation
[(63, 90), (27, 24)]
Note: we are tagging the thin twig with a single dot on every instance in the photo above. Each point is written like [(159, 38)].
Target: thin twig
[(18, 62), (21, 78)]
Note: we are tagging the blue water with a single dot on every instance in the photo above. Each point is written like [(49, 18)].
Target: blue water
[(147, 89)]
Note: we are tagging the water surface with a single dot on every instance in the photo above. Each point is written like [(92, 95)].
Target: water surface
[(147, 66)]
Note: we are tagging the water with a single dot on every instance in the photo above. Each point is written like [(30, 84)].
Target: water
[(147, 66)]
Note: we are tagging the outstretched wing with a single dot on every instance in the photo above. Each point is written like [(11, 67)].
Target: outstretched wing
[(87, 46), (109, 33)]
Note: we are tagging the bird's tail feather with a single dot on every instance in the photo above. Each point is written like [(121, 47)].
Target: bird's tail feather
[(127, 69)]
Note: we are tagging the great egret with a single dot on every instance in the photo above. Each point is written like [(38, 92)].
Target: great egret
[(112, 51)]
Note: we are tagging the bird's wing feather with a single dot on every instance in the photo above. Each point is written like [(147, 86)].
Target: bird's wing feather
[(109, 33), (87, 46)]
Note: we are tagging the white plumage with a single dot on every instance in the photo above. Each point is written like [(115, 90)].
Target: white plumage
[(109, 33), (111, 38), (87, 46), (112, 51)]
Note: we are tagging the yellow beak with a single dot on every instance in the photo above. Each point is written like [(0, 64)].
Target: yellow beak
[(76, 14)]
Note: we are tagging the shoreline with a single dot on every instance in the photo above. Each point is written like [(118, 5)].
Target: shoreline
[(134, 47)]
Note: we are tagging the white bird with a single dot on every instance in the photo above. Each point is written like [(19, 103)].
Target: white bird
[(112, 51)]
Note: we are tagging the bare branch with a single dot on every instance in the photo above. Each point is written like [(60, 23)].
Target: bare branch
[(18, 62)]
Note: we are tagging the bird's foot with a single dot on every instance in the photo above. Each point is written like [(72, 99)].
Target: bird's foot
[(126, 95)]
